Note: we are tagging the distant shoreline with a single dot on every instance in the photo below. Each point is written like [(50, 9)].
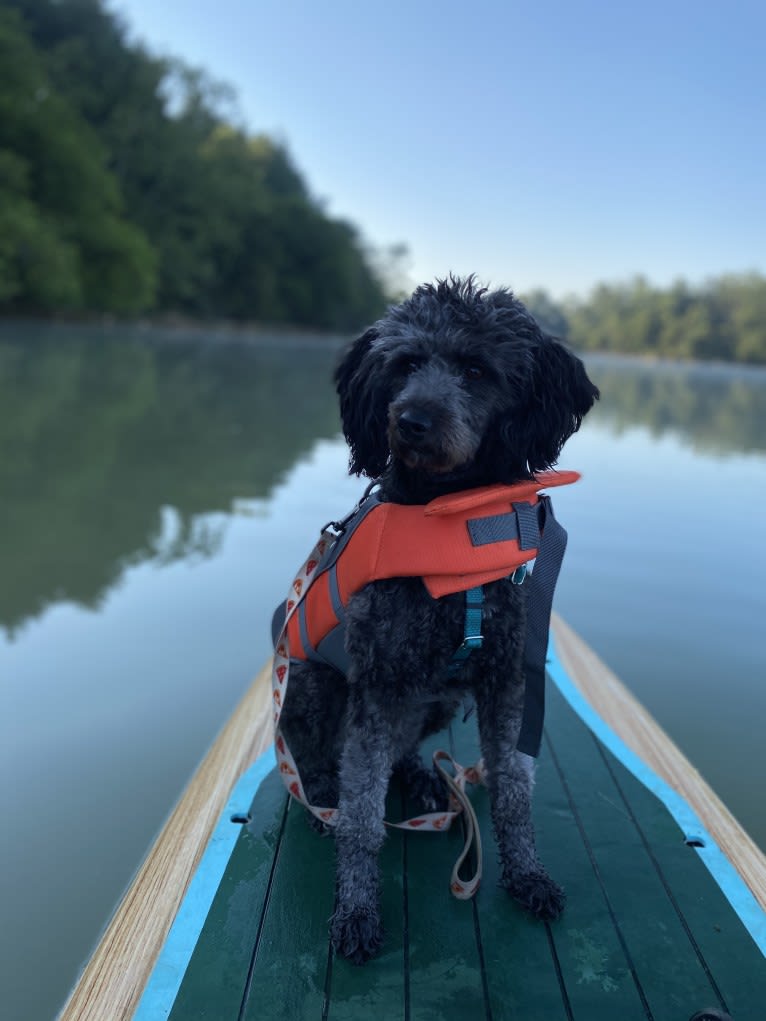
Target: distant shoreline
[(650, 359), (178, 329)]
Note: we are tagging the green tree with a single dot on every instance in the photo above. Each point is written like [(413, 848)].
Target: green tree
[(133, 185), (724, 319), (65, 242), (37, 266), (233, 229)]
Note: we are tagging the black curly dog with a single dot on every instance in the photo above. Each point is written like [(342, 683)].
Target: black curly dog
[(455, 388)]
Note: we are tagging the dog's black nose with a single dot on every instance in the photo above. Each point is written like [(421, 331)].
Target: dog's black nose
[(414, 423)]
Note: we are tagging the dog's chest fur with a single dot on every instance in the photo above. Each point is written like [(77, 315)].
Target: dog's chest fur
[(406, 655)]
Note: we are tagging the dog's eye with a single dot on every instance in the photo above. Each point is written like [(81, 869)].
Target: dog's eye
[(473, 372)]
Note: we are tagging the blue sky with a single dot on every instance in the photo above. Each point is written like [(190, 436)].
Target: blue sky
[(539, 143)]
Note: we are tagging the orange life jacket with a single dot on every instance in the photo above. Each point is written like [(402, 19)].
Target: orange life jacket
[(455, 543)]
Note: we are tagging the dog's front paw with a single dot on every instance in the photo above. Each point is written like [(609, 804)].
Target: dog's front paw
[(538, 893), (357, 933)]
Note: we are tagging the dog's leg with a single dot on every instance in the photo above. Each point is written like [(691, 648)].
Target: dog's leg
[(312, 723), (510, 778), (366, 765)]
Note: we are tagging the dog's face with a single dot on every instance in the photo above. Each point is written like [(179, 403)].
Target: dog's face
[(460, 382)]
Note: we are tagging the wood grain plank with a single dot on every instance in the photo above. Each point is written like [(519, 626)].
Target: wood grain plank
[(669, 972), (732, 957), (289, 973), (378, 988), (446, 979), (595, 970), (519, 968), (114, 977), (216, 979), (643, 735)]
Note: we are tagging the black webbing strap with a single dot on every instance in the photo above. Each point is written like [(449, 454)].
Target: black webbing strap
[(522, 523), (541, 585)]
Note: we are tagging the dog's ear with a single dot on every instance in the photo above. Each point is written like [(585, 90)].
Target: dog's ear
[(560, 394), (364, 406)]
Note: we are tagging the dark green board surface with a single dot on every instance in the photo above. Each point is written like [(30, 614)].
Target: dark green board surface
[(646, 934)]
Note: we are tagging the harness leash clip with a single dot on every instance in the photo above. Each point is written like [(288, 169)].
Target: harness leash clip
[(339, 527), (519, 575)]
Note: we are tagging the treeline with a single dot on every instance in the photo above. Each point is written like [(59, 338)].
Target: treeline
[(127, 187), (724, 319)]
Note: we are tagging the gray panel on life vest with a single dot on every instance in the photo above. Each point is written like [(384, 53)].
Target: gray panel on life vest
[(522, 523), (277, 623), (337, 603), (332, 649), (303, 629), (493, 528), (528, 517)]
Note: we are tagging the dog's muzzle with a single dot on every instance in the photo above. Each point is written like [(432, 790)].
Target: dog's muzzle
[(422, 439), (414, 424)]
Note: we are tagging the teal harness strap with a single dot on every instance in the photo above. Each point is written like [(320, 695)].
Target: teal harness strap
[(474, 609), (472, 636)]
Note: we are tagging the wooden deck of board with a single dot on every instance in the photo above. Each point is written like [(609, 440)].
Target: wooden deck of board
[(629, 720), (114, 978), (646, 934)]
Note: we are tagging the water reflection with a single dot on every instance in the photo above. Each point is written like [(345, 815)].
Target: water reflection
[(114, 444), (102, 430), (713, 409)]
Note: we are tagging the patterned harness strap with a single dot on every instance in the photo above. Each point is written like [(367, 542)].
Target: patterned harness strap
[(456, 781)]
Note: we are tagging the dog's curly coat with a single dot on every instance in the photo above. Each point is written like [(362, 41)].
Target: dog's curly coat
[(456, 387)]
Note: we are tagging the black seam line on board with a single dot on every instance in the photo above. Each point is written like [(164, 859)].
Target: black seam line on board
[(405, 916), (559, 973), (663, 880), (476, 923), (482, 961), (264, 910), (599, 879), (477, 936), (327, 982)]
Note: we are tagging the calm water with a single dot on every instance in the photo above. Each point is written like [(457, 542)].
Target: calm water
[(155, 495)]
